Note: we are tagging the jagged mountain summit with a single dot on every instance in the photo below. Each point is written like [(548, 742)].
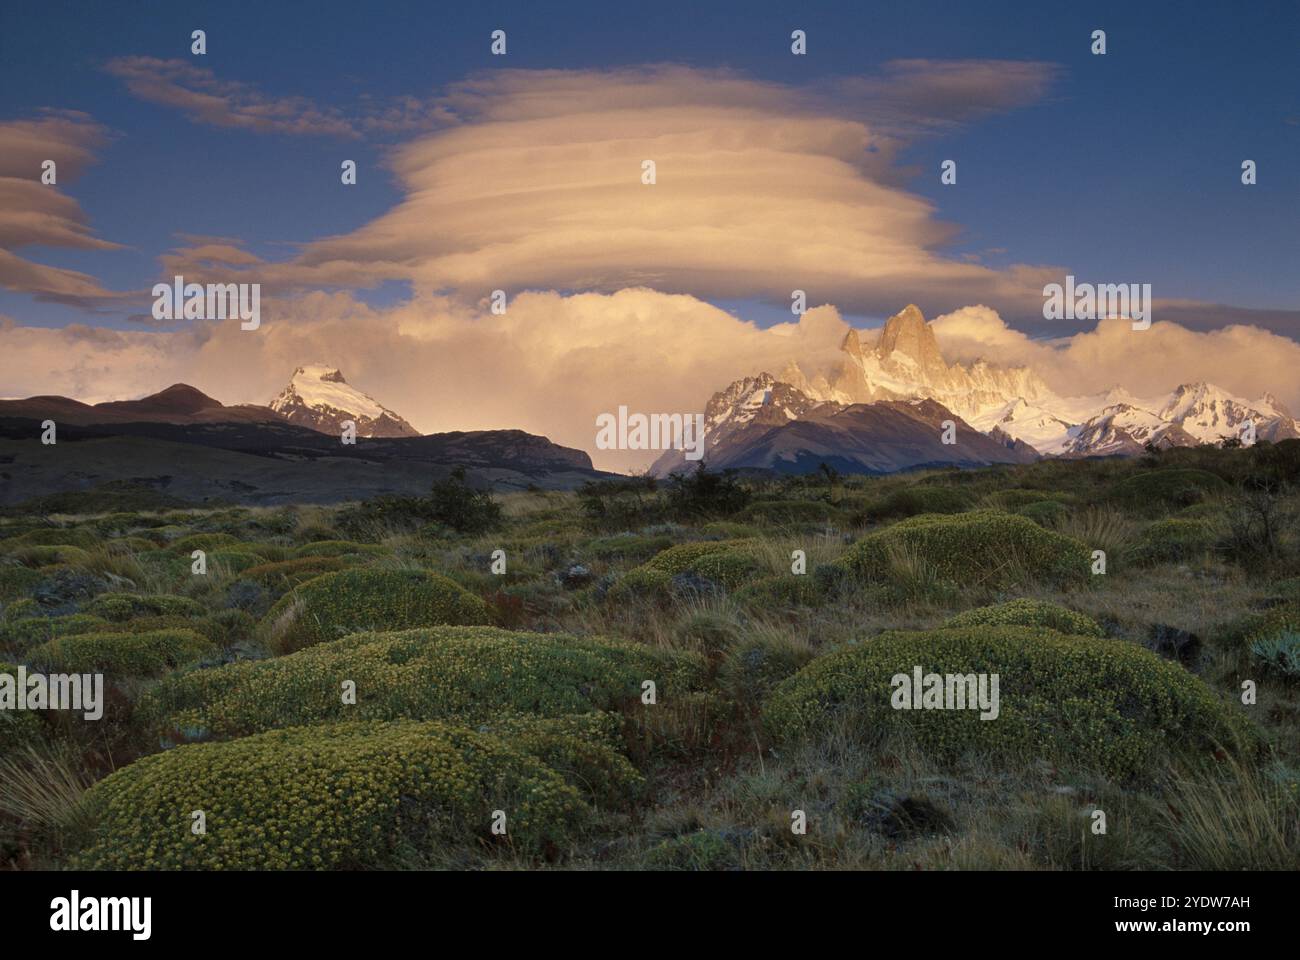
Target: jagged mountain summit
[(319, 398), (1011, 407)]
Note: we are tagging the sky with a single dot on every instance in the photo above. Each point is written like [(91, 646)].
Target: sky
[(521, 172)]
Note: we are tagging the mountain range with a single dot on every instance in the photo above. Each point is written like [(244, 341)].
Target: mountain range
[(882, 407), (189, 447)]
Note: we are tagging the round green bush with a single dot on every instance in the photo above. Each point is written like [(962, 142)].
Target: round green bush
[(781, 590), (236, 561), (337, 796), (16, 580), (473, 674), (1155, 490), (1176, 540), (57, 537), (641, 583), (1045, 513), (126, 606), (289, 573), (207, 542), (18, 728), (753, 667), (1091, 703), (21, 635), (789, 511), (728, 562), (915, 500), (129, 654), (982, 547), (48, 556), (351, 601), (1029, 613)]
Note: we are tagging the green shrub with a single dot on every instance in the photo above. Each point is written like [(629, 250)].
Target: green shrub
[(981, 547), (628, 546), (642, 583), (48, 556), (21, 635), (130, 654), (473, 674), (1029, 613), (1091, 703), (916, 500), (621, 503), (1279, 653), (351, 601), (207, 542), (458, 505), (789, 511), (702, 495), (18, 728), (235, 561), (1175, 540), (781, 590), (339, 796), (728, 562), (125, 606), (56, 537), (336, 548), (17, 580), (1149, 491), (704, 850), (1045, 513), (753, 667), (284, 574)]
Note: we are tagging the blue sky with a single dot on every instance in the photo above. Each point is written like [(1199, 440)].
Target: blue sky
[(1128, 168)]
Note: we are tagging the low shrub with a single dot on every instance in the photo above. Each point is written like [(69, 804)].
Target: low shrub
[(1045, 513), (789, 511), (982, 547), (781, 590), (337, 796), (1175, 540), (916, 500), (126, 606), (473, 674), (351, 601), (21, 635), (1149, 491), (1029, 613), (129, 654), (1090, 703), (728, 562)]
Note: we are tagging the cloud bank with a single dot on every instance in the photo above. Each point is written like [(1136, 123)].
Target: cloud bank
[(552, 363)]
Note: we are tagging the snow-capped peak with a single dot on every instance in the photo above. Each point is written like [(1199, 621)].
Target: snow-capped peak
[(319, 397)]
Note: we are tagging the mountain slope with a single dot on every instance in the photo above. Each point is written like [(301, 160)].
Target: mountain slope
[(1013, 406), (879, 437)]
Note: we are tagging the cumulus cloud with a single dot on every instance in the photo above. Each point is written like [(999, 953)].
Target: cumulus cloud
[(761, 188), (1245, 360), (35, 213)]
